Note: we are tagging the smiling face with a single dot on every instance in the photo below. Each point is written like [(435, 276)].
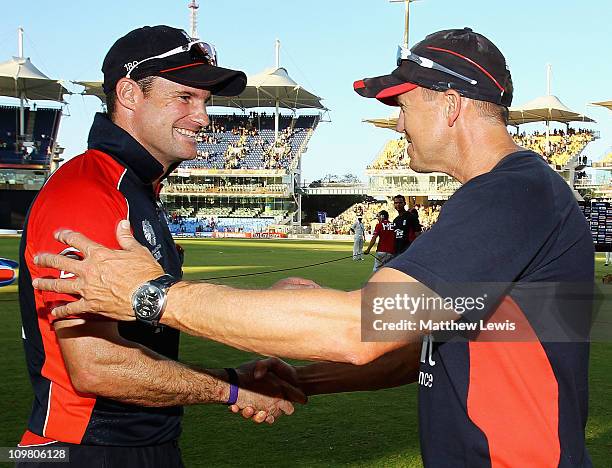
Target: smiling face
[(167, 119), (422, 121)]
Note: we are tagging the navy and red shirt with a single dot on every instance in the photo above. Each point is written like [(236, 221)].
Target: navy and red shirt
[(490, 403), (406, 226), (91, 193), (386, 237)]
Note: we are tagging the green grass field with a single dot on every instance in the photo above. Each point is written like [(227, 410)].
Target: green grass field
[(356, 429)]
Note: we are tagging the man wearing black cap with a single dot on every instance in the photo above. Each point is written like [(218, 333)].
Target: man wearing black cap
[(113, 392), (511, 230)]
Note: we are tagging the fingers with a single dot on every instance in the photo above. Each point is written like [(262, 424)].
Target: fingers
[(286, 407), (281, 369), (268, 416), (292, 393), (59, 262), (72, 308), (77, 240), (261, 369), (124, 236), (57, 285), (260, 417), (284, 377), (248, 412)]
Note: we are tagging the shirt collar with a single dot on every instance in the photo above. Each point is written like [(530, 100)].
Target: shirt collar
[(111, 139)]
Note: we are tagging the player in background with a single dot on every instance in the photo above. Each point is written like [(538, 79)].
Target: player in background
[(385, 232)]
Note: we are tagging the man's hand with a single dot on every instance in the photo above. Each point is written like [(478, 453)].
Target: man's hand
[(294, 283), (367, 251), (105, 279), (267, 388)]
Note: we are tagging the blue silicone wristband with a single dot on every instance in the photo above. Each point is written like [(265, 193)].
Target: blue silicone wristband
[(233, 381)]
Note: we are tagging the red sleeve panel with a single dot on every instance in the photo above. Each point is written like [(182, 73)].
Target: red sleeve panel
[(82, 196)]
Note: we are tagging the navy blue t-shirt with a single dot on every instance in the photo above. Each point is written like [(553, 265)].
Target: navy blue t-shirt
[(491, 403)]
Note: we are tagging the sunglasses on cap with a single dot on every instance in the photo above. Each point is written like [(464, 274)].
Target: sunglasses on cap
[(206, 50), (403, 53)]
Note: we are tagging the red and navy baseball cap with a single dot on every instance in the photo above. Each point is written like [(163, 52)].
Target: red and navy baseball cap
[(458, 59), (171, 54)]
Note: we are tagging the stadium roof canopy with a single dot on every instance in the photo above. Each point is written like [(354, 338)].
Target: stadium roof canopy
[(92, 88), (545, 109), (607, 104), (390, 122), (270, 88), (19, 78), (267, 89)]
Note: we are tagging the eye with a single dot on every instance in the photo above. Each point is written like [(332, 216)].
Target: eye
[(184, 97)]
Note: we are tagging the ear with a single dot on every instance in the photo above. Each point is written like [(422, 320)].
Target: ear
[(128, 93), (452, 106)]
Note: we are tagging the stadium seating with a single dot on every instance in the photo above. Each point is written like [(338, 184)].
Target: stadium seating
[(216, 211), (248, 142), (392, 156), (563, 146), (221, 187), (43, 125), (180, 225), (278, 214)]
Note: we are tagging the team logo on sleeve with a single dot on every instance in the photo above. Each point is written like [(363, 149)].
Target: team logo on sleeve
[(149, 234), (8, 271)]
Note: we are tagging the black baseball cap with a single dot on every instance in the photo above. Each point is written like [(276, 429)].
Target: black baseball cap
[(458, 59), (191, 63)]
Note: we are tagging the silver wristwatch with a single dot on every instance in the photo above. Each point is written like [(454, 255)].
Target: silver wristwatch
[(149, 300)]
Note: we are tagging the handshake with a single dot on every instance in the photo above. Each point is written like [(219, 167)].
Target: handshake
[(267, 389)]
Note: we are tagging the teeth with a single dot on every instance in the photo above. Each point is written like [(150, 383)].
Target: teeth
[(184, 131)]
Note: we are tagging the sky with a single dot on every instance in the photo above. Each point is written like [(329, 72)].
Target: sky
[(325, 46)]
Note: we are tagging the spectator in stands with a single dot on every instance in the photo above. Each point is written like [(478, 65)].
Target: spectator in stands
[(406, 225), (358, 229), (386, 245)]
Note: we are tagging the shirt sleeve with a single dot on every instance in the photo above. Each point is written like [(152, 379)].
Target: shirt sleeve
[(377, 229), (95, 215)]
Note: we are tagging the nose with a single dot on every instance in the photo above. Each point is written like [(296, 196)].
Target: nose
[(200, 115), (399, 127)]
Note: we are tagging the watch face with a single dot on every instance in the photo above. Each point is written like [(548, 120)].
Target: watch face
[(148, 302)]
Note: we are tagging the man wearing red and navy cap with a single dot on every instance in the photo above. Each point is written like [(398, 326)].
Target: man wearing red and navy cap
[(502, 371), (514, 220), (109, 392)]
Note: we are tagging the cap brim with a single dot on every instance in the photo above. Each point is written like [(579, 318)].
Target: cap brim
[(219, 81), (385, 88)]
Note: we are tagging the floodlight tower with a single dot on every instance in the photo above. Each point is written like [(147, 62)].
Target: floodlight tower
[(193, 6), (21, 97), (407, 24)]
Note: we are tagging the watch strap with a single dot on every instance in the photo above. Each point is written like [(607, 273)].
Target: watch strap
[(164, 281)]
